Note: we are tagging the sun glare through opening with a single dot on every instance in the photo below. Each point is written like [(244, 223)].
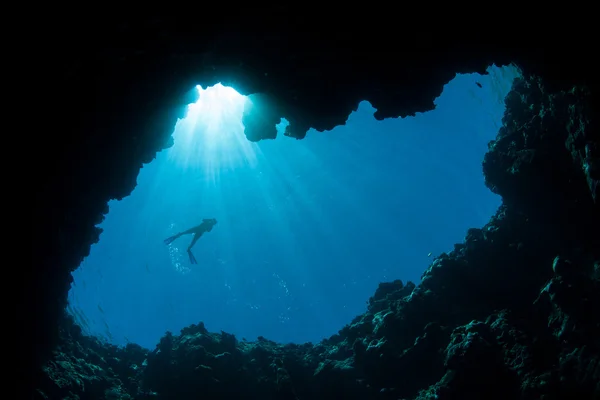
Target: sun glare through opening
[(211, 135)]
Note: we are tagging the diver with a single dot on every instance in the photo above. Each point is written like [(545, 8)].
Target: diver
[(205, 226)]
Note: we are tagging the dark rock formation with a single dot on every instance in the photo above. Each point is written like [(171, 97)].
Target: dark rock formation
[(512, 312), (84, 368)]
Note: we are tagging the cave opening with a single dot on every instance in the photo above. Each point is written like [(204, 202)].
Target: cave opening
[(306, 229)]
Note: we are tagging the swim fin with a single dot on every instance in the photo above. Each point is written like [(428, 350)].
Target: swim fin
[(192, 258), (170, 240)]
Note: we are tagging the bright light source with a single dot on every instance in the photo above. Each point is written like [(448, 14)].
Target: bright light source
[(212, 134), (215, 106)]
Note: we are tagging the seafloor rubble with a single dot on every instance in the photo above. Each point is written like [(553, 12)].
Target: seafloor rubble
[(510, 313)]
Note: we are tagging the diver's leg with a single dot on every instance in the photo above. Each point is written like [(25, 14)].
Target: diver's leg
[(169, 240), (192, 258), (191, 230), (189, 250), (194, 240)]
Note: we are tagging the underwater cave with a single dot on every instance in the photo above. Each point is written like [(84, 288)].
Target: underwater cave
[(489, 290), (306, 230)]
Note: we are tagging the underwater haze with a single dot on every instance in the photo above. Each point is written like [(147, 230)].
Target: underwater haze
[(306, 230)]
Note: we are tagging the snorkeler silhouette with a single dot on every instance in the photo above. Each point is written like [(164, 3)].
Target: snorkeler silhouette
[(205, 226)]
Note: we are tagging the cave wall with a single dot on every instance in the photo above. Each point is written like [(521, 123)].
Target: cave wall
[(509, 313), (119, 84)]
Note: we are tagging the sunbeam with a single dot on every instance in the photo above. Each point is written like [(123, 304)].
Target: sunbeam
[(211, 136)]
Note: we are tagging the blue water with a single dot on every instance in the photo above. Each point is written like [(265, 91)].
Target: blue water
[(306, 229)]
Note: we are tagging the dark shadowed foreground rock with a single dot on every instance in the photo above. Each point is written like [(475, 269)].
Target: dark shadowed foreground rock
[(113, 87), (510, 313)]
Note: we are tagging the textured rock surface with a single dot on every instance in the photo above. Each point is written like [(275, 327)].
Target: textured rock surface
[(510, 313)]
